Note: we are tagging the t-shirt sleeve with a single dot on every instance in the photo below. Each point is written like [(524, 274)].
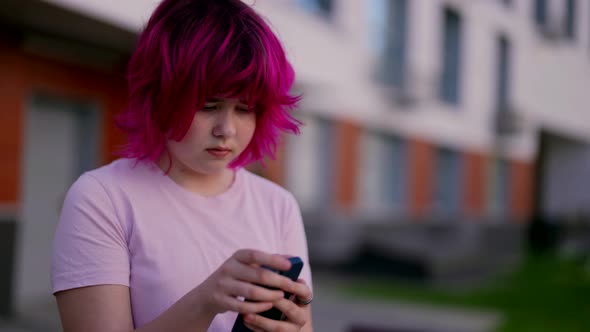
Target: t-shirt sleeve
[(294, 239), (90, 246)]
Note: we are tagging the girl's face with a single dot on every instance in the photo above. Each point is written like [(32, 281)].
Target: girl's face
[(220, 132)]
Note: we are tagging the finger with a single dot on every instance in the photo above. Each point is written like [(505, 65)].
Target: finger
[(308, 294), (252, 256), (266, 324), (294, 313), (257, 275), (302, 281), (250, 291), (245, 307), (253, 328), (300, 290)]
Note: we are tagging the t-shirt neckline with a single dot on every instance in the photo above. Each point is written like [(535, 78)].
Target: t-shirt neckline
[(229, 192)]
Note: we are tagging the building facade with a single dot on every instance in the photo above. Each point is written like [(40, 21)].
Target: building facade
[(471, 106), (414, 110)]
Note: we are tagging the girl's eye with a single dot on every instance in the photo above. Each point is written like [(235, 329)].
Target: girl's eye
[(210, 107), (216, 106)]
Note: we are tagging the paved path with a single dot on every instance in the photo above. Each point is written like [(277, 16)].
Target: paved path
[(333, 312)]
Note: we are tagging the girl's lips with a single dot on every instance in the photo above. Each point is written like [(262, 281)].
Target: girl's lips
[(219, 153)]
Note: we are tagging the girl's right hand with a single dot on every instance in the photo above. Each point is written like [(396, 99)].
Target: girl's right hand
[(239, 276)]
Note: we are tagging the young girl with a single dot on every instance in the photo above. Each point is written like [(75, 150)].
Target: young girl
[(173, 236)]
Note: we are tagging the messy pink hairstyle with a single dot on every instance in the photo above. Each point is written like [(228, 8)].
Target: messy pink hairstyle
[(192, 50)]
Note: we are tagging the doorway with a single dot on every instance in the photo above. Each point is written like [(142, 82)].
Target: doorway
[(61, 141)]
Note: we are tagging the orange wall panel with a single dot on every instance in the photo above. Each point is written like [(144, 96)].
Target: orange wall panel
[(522, 186), (421, 176), (347, 137), (275, 169), (474, 180), (11, 121), (114, 139)]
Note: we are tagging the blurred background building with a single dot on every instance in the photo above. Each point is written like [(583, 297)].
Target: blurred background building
[(432, 123)]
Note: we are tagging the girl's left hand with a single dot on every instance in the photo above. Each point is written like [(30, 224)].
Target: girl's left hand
[(297, 315)]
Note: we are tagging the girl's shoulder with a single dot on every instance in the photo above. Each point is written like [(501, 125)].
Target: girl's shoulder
[(266, 189), (123, 170), (119, 174)]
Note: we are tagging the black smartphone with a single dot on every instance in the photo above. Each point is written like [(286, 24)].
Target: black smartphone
[(273, 313)]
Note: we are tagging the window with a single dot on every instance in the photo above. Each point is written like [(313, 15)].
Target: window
[(504, 120), (395, 43), (302, 164), (325, 160), (540, 12), (451, 57), (503, 73), (377, 25), (570, 19), (447, 190), (323, 7), (383, 173)]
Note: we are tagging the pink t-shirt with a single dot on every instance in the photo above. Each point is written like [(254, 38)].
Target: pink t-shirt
[(136, 227)]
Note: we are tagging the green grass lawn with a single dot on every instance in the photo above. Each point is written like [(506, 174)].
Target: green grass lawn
[(545, 294)]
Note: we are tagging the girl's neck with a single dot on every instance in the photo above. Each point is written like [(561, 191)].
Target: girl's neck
[(199, 183)]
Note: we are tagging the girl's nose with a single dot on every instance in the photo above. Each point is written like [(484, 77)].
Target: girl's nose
[(224, 124)]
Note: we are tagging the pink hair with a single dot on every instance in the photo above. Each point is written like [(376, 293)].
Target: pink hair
[(192, 50)]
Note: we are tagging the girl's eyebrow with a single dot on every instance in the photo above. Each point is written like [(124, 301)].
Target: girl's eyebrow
[(241, 103)]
